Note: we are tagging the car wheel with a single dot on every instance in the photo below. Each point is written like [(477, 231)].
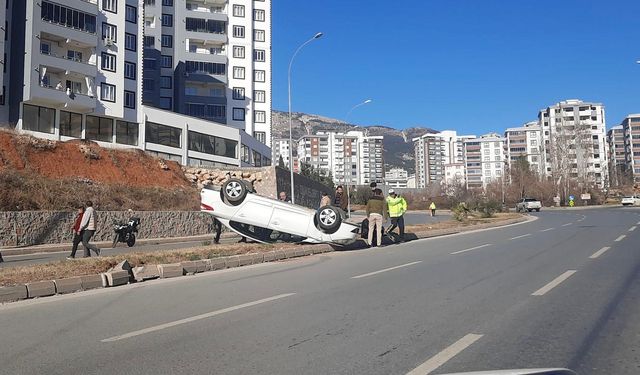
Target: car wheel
[(529, 209), (234, 191), (328, 219)]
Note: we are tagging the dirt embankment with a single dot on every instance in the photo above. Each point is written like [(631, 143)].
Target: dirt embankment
[(38, 174)]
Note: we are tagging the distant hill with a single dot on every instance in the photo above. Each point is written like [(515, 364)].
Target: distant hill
[(398, 148)]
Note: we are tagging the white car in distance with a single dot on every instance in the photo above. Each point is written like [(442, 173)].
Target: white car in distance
[(268, 220), (631, 200)]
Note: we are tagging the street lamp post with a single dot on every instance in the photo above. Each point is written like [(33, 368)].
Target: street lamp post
[(317, 36), (344, 164)]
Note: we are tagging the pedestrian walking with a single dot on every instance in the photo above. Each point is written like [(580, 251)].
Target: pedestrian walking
[(325, 200), (77, 234), (397, 206), (217, 225), (88, 229), (432, 207), (341, 200), (376, 213)]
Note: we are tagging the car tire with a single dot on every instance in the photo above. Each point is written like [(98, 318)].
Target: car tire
[(328, 219), (529, 209), (234, 191)]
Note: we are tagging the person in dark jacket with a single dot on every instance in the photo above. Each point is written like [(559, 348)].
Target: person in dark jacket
[(77, 234), (218, 227), (341, 200), (376, 213)]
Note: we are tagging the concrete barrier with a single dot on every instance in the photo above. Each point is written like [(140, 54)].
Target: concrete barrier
[(232, 261), (218, 264), (92, 282), (146, 272), (68, 285), (13, 293), (170, 270), (245, 259), (41, 289), (117, 277)]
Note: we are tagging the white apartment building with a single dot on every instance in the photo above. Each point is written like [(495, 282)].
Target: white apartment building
[(484, 160), (454, 173), (616, 150), (525, 142), (574, 135), (280, 147), (434, 151), (352, 158), (210, 59), (74, 69), (631, 131), (396, 178)]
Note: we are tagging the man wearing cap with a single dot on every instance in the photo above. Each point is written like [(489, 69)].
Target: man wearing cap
[(397, 207)]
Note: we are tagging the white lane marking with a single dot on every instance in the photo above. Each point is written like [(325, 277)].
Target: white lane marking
[(194, 318), (471, 248), (599, 252), (444, 356), (566, 225), (620, 238), (548, 229), (516, 237), (385, 270), (554, 283), (632, 228)]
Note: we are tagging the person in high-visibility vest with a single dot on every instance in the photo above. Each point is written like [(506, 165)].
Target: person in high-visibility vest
[(432, 207), (397, 207)]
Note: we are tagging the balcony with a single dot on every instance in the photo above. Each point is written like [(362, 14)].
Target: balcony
[(67, 56), (207, 8), (77, 100), (213, 52)]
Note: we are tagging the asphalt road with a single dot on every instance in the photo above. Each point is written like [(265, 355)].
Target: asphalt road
[(560, 291), (411, 218)]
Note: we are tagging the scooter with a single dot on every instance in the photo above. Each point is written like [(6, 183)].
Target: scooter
[(126, 232)]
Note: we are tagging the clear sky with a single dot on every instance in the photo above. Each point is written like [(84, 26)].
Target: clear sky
[(471, 65)]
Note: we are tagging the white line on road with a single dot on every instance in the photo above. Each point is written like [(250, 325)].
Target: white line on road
[(620, 238), (554, 283), (566, 225), (599, 252), (472, 248), (548, 229), (194, 318), (385, 270), (632, 228), (516, 237), (444, 356)]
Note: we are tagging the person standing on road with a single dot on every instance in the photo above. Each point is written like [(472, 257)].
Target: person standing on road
[(88, 229), (341, 200), (432, 207), (77, 235), (376, 213), (397, 206)]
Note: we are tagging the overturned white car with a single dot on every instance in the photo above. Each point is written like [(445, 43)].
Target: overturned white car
[(267, 220)]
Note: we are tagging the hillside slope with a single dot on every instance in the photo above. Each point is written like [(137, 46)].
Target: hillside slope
[(398, 148)]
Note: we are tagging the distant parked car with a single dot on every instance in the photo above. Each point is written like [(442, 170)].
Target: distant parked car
[(631, 200), (528, 204), (267, 220)]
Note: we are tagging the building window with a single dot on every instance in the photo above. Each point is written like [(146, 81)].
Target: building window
[(129, 99), (260, 117), (39, 119), (205, 26), (238, 114), (205, 68), (209, 144), (163, 135), (167, 20), (131, 14), (238, 52), (45, 48), (109, 32), (259, 55), (258, 35), (165, 102), (110, 5), (149, 64), (148, 84), (166, 61), (217, 92), (99, 129), (130, 43), (149, 42), (108, 62), (67, 17), (129, 70), (190, 90), (238, 93), (167, 3), (3, 96), (70, 124), (259, 96), (166, 82), (260, 137), (238, 31), (166, 41), (238, 72), (258, 75), (246, 155), (127, 133), (258, 15), (74, 86), (107, 92), (238, 10)]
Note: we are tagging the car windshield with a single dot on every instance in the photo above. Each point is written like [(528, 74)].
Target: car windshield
[(530, 200)]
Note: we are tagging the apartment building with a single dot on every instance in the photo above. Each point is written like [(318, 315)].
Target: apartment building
[(396, 178), (210, 59), (433, 152), (350, 158), (525, 142), (484, 160), (631, 133), (280, 148), (75, 70), (574, 135), (616, 154)]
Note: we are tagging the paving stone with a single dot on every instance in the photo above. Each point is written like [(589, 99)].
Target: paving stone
[(92, 282), (68, 285), (170, 270), (41, 289), (13, 293)]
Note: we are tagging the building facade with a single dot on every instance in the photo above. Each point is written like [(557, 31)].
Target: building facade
[(526, 143), (433, 152), (616, 154), (75, 70), (484, 160), (396, 178), (631, 133)]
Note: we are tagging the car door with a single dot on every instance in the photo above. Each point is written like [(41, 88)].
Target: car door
[(288, 218), (255, 211)]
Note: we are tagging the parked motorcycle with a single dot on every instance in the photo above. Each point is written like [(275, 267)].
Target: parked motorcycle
[(126, 232)]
